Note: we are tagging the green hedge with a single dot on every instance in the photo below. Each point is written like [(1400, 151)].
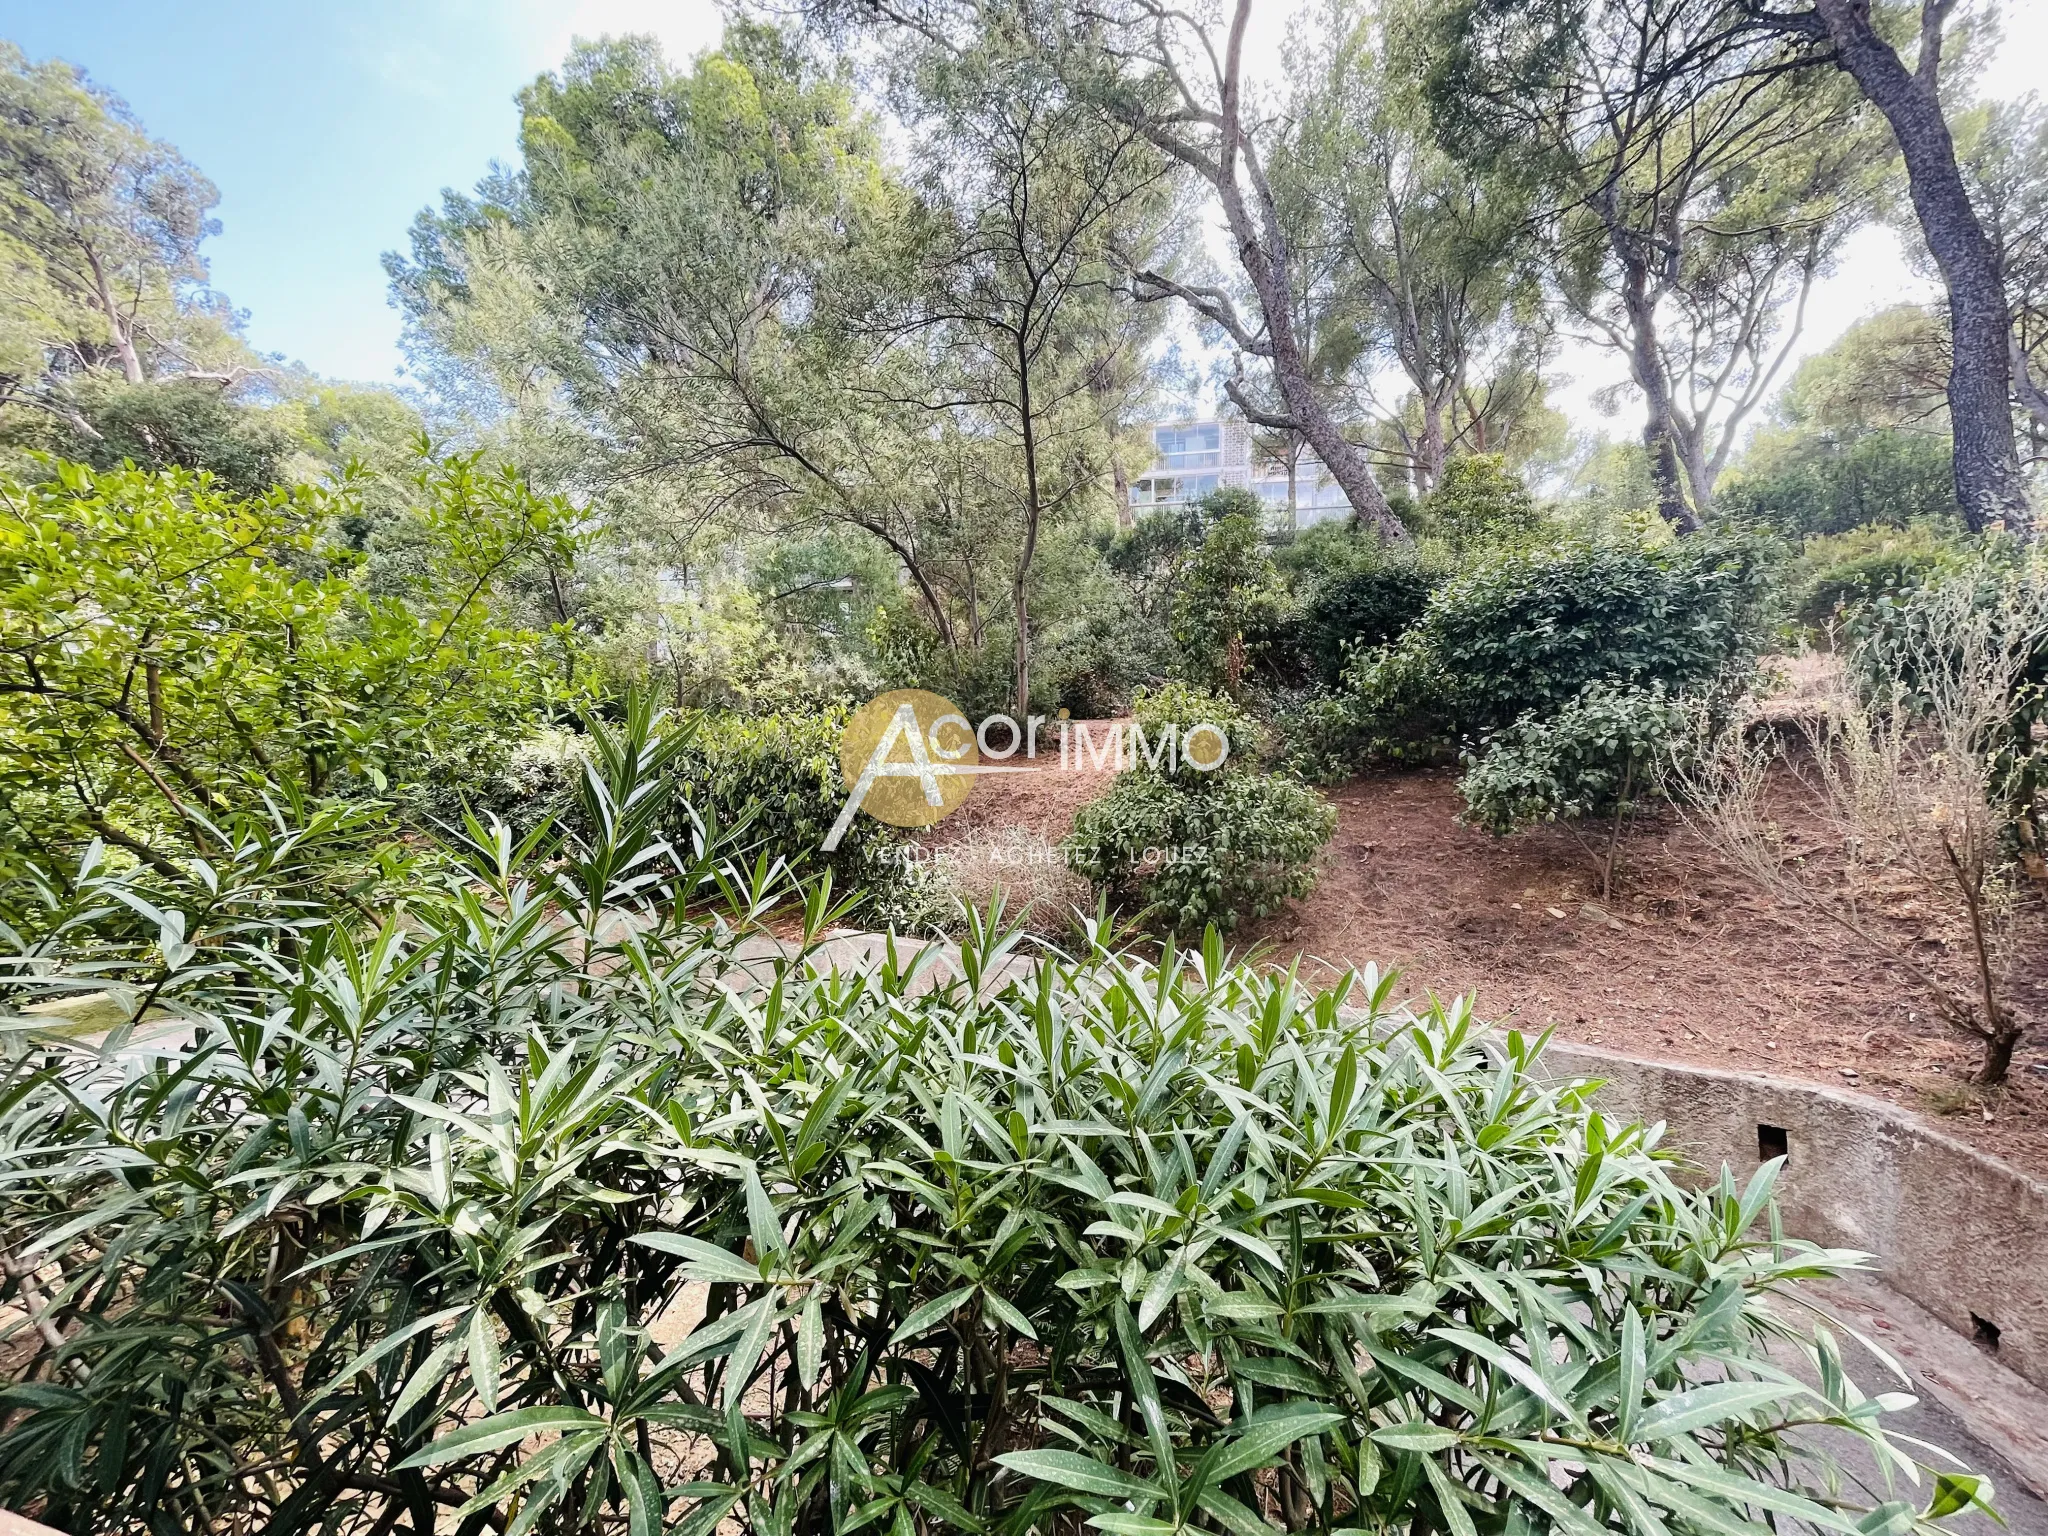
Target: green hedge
[(1096, 1244)]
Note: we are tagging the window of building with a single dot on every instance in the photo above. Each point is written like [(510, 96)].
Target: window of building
[(1171, 490), (1198, 446)]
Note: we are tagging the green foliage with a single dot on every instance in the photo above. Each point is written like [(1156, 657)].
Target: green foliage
[(1837, 575), (1389, 710), (1180, 705), (1523, 633), (418, 1222), (104, 225), (172, 654), (777, 781), (1187, 846), (1359, 609), (1182, 855), (1231, 588), (1598, 758), (1480, 502), (184, 424), (1527, 631), (1823, 484), (1228, 501)]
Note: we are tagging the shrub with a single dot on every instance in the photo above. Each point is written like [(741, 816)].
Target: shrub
[(1190, 847), (173, 655), (1230, 590), (782, 778), (1179, 706), (1597, 759), (415, 1232), (1926, 775), (1481, 502), (1182, 855), (1357, 610), (1527, 631), (1830, 483), (1391, 710), (1837, 575), (1917, 644)]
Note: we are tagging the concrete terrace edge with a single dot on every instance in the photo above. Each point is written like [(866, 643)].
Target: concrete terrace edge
[(1959, 1232)]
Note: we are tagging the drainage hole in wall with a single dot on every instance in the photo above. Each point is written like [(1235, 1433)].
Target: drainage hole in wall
[(1984, 1334), (1771, 1141)]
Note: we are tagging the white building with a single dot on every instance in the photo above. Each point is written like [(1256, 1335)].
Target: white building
[(1193, 458)]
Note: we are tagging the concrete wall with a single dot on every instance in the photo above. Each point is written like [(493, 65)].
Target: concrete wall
[(1962, 1234)]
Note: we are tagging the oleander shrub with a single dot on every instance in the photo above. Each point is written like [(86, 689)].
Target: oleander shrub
[(562, 1201), (773, 781), (779, 779)]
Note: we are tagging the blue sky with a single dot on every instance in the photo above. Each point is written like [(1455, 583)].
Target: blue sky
[(327, 127)]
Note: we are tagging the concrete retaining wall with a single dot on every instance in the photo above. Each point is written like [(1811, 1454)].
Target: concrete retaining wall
[(1962, 1234)]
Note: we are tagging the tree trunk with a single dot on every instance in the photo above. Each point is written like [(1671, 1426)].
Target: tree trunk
[(1430, 456), (1660, 439), (124, 340), (1998, 1051), (1699, 475), (1020, 601), (1989, 485), (1262, 248), (1343, 458), (1019, 593)]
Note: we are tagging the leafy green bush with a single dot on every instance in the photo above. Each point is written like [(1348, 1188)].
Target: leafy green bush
[(1481, 502), (782, 778), (773, 783), (1357, 610), (1824, 482), (1599, 758), (1178, 706), (1184, 855), (1838, 574), (534, 1207), (1188, 846), (1390, 711), (174, 656), (1527, 631), (1229, 592)]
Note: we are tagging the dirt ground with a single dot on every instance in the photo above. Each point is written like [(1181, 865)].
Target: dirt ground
[(1688, 961)]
